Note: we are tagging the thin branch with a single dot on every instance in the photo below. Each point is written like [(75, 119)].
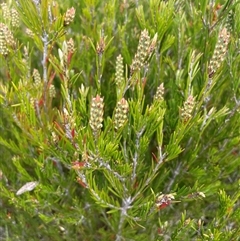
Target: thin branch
[(44, 64), (151, 177), (108, 167), (173, 178), (100, 200), (125, 206), (136, 154)]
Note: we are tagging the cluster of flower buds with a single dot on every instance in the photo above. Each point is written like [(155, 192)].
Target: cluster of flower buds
[(3, 42), (14, 18), (37, 78), (70, 50), (153, 44), (5, 11), (142, 52), (120, 116), (229, 21), (29, 32), (159, 93), (96, 114), (6, 39), (52, 91), (119, 79), (70, 46), (10, 15), (186, 111), (219, 52), (69, 16)]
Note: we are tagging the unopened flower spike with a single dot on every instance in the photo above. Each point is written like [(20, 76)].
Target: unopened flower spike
[(121, 112), (69, 16), (186, 111), (3, 42), (37, 78), (6, 39), (5, 11), (70, 50), (52, 91), (9, 37), (29, 32), (70, 46), (153, 44), (14, 17), (119, 79), (229, 21), (219, 52), (160, 92), (142, 52), (96, 114)]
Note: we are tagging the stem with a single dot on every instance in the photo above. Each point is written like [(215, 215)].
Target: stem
[(106, 165), (127, 86), (99, 71), (44, 64), (125, 206), (151, 177), (207, 94), (101, 201), (175, 174), (135, 158), (158, 62)]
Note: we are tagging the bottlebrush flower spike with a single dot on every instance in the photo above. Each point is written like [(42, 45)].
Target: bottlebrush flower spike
[(29, 32), (70, 50), (219, 52), (153, 44), (14, 18), (120, 116), (96, 114), (8, 36), (142, 52), (119, 79), (186, 111), (70, 46), (6, 39), (52, 91), (3, 42), (37, 78), (69, 16), (160, 92), (5, 11)]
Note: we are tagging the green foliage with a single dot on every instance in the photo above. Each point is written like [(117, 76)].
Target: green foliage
[(96, 148)]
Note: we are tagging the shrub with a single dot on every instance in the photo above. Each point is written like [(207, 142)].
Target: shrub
[(120, 120)]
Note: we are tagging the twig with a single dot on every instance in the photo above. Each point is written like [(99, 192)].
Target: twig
[(155, 170), (125, 206), (44, 64), (175, 174), (108, 167), (135, 158)]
